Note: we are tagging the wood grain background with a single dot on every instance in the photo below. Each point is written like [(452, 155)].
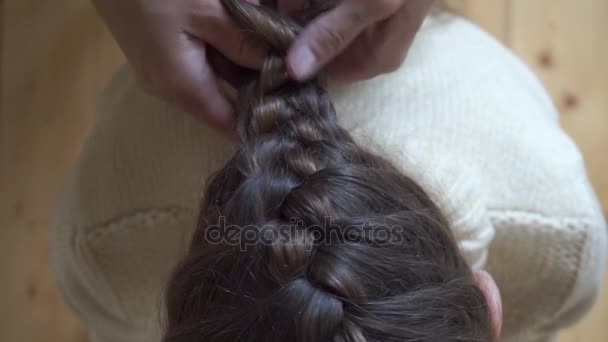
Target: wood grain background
[(55, 56)]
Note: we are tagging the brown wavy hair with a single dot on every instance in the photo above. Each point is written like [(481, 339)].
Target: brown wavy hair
[(306, 236)]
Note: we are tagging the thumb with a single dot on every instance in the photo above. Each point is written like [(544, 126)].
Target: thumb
[(193, 85), (328, 35)]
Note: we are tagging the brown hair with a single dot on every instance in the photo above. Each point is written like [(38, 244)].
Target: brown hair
[(306, 236)]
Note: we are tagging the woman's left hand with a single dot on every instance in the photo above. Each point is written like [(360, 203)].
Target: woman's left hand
[(358, 39)]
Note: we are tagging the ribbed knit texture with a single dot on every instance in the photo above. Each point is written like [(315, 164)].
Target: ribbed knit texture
[(463, 117)]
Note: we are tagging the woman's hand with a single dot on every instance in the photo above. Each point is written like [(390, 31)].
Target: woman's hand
[(358, 39), (165, 41)]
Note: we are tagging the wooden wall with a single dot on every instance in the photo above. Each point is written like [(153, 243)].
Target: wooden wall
[(55, 56)]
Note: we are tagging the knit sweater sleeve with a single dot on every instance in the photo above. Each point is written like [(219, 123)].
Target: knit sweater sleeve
[(550, 280), (114, 284), (128, 208), (588, 281)]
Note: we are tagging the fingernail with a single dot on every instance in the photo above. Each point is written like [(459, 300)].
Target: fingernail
[(303, 64)]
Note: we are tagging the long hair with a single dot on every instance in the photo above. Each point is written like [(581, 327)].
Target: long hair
[(306, 236)]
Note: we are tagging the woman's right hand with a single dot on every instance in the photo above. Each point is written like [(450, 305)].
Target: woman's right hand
[(165, 41), (357, 40)]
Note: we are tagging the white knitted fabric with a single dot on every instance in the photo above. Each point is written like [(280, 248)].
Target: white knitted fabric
[(463, 117)]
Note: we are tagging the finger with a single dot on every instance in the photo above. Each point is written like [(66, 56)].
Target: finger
[(193, 86), (382, 48), (210, 22), (228, 71), (328, 35)]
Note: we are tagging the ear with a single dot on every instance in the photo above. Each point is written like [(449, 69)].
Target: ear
[(488, 286)]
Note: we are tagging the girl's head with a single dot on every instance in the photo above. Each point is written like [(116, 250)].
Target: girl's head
[(306, 236)]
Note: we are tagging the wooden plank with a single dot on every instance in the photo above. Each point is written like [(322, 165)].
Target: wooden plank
[(56, 56), (565, 42), (492, 15)]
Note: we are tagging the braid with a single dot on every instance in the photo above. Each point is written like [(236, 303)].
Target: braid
[(307, 206)]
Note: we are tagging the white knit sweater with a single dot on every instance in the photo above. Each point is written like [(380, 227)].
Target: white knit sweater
[(463, 117)]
